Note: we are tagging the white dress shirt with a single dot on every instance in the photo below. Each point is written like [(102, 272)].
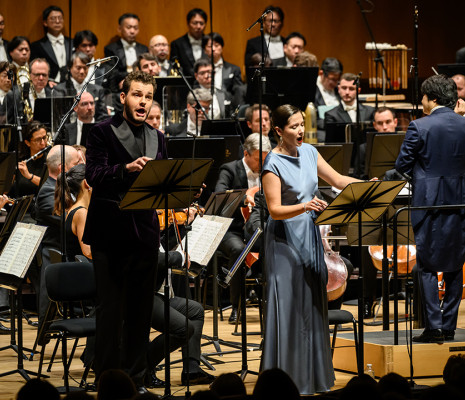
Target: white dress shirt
[(276, 49), (219, 74), (351, 110), (164, 68), (196, 45), (3, 56), (2, 96), (130, 54), (58, 46), (329, 96), (79, 124), (40, 95), (253, 178), (77, 86)]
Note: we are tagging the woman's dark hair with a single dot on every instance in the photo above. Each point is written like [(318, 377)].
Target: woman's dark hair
[(73, 180), (281, 115), (38, 389), (15, 42), (32, 127), (442, 89)]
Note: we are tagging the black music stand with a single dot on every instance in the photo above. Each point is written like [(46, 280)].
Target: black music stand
[(14, 283), (225, 283), (166, 184), (361, 202), (7, 170), (382, 150), (336, 155)]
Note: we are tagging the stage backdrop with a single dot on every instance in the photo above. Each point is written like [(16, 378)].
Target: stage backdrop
[(332, 28)]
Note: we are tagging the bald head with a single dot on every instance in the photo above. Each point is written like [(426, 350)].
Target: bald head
[(159, 47), (54, 160), (460, 82), (85, 109)]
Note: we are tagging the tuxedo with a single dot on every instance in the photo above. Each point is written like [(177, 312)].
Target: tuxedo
[(232, 83), (433, 155), (232, 175), (339, 115), (43, 49), (67, 89), (182, 50), (254, 46), (124, 245), (120, 71)]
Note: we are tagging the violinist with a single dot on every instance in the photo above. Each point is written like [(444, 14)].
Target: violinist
[(240, 174)]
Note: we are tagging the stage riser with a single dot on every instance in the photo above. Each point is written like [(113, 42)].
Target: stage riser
[(428, 359)]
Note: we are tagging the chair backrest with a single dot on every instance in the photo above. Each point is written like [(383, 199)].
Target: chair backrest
[(70, 281)]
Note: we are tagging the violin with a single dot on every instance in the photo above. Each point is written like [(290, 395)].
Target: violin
[(337, 269), (246, 211), (180, 217)]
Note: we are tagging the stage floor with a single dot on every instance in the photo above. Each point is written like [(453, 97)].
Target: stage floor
[(231, 362)]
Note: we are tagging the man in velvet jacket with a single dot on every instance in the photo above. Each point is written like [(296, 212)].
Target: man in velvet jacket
[(124, 244), (433, 154)]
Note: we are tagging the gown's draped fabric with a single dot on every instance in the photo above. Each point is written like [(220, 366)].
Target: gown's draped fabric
[(296, 330)]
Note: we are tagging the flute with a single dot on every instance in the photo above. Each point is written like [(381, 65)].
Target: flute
[(45, 149)]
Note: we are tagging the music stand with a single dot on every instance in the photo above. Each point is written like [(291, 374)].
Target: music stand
[(6, 138), (166, 184), (14, 283), (219, 127), (164, 81), (381, 152), (50, 110), (360, 202), (7, 171), (336, 155), (451, 69), (222, 150)]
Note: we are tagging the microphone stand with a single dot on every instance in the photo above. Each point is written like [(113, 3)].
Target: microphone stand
[(379, 58), (414, 66)]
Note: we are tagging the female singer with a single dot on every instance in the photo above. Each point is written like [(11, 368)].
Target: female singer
[(296, 330), (77, 198), (33, 170)]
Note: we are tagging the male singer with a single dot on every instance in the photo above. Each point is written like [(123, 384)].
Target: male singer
[(124, 244)]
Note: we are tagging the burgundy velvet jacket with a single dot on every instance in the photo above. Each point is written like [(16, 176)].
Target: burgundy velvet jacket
[(110, 146)]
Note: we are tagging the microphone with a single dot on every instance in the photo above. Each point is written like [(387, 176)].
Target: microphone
[(100, 60), (176, 63), (235, 113), (357, 79), (259, 19)]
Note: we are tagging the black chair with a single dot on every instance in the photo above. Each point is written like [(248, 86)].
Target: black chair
[(68, 283), (339, 317)]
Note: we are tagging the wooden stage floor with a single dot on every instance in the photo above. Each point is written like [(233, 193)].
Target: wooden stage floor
[(10, 385)]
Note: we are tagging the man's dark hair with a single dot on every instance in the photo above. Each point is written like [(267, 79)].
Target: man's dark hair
[(250, 110), (38, 389), (277, 10), (380, 110), (15, 42), (442, 89), (4, 65), (348, 76), (215, 37), (79, 54), (127, 15), (295, 35), (202, 62), (80, 36), (138, 76), (49, 9), (145, 56), (196, 11), (331, 64)]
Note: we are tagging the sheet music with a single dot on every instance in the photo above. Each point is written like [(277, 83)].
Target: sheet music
[(205, 237), (20, 249)]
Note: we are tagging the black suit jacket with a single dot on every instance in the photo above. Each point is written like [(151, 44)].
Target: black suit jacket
[(254, 46), (44, 214), (182, 50), (110, 146), (43, 49), (232, 83), (338, 114), (232, 175), (120, 71), (67, 89)]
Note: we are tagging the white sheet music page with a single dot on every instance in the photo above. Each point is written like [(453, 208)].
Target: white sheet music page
[(205, 237), (21, 248)]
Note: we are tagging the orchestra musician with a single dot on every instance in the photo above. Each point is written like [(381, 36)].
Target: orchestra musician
[(124, 244), (432, 154)]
